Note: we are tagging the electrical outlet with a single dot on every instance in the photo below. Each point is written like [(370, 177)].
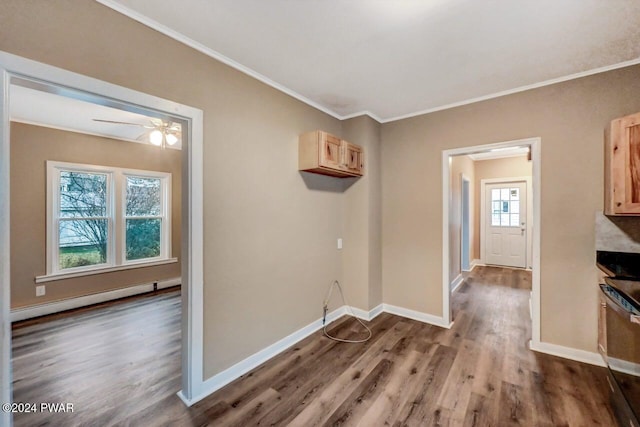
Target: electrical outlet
[(40, 291), (339, 243)]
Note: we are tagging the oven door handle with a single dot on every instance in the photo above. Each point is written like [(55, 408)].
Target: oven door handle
[(613, 304)]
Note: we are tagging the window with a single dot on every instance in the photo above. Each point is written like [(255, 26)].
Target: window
[(505, 207), (102, 217), (83, 219), (143, 217)]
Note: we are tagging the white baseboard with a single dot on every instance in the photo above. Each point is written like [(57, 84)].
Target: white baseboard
[(625, 366), (225, 377), (365, 315), (71, 303), (475, 263), (228, 375), (456, 283), (374, 312), (568, 353), (416, 315)]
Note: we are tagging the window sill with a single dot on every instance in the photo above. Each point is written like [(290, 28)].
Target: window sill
[(63, 276)]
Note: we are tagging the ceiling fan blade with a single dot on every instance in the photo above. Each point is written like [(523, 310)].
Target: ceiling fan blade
[(156, 122), (117, 123)]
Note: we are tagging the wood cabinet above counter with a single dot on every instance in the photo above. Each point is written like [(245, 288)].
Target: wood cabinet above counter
[(326, 154), (622, 166)]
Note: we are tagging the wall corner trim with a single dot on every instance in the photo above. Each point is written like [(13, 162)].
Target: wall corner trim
[(568, 353), (374, 312), (417, 315), (363, 314), (456, 283)]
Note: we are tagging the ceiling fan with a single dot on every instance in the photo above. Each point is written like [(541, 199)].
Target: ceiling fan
[(163, 133)]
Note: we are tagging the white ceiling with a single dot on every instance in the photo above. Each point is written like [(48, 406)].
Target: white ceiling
[(42, 108), (397, 58)]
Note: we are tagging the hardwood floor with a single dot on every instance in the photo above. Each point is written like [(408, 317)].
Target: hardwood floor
[(479, 373), (109, 361)]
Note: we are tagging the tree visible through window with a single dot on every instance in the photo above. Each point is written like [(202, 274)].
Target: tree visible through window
[(103, 217), (83, 219), (143, 217)]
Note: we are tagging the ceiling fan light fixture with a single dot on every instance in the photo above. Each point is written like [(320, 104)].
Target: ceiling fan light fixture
[(171, 138), (155, 137)]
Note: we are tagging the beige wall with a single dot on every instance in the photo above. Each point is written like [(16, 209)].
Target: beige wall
[(570, 118), (362, 252), (270, 231), (496, 168), (460, 165), (31, 147)]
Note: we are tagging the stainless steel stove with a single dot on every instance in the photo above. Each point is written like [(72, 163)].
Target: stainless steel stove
[(622, 294)]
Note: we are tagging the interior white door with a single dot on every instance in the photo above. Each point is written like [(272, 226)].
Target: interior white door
[(506, 224)]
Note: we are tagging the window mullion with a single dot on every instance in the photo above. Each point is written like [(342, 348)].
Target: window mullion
[(116, 215)]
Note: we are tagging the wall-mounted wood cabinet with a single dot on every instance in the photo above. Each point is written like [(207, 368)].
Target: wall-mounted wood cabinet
[(622, 166), (323, 153)]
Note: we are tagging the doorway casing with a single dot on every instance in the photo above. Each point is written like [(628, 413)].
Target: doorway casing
[(465, 223), (15, 67), (535, 147)]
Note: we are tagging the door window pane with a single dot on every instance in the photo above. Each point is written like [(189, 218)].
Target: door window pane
[(143, 238), (505, 207)]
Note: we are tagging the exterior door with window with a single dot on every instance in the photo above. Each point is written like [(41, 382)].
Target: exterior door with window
[(506, 224)]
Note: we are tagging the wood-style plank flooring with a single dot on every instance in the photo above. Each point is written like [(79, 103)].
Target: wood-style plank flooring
[(479, 373), (110, 361)]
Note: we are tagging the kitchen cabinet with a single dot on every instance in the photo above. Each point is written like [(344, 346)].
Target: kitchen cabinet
[(622, 166), (326, 154)]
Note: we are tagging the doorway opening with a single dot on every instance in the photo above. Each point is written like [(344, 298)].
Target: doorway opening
[(20, 73), (505, 210)]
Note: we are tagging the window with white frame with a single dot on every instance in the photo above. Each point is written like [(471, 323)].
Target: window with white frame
[(103, 217)]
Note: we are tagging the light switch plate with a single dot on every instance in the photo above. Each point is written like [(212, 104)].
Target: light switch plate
[(339, 243)]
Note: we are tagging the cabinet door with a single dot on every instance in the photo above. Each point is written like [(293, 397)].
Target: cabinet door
[(625, 139), (353, 158), (329, 151)]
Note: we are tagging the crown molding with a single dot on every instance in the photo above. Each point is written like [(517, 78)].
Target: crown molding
[(574, 76), (145, 20)]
